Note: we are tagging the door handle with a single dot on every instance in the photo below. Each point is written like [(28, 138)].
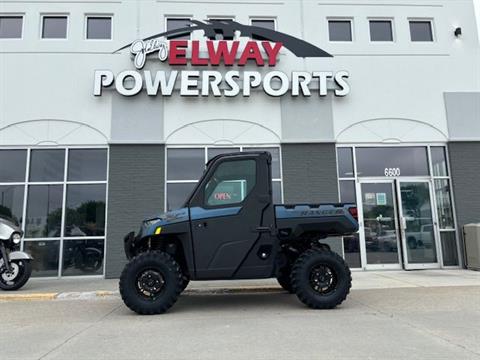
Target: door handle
[(263, 229), (202, 224)]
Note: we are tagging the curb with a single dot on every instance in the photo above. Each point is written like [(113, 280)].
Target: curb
[(104, 294)]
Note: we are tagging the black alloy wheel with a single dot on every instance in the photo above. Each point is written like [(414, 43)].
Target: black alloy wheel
[(151, 283), (321, 279)]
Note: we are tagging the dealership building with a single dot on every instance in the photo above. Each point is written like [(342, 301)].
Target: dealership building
[(109, 111)]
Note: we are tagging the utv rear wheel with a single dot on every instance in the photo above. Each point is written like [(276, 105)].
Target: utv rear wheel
[(151, 283), (321, 279)]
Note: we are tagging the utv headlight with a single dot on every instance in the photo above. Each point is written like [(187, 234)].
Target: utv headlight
[(16, 238)]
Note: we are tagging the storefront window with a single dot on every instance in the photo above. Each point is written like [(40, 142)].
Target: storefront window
[(347, 191), (392, 161), (11, 202), (439, 162), (82, 257), (186, 165), (85, 211), (44, 211), (12, 165), (444, 204), (45, 257), (47, 165), (87, 164), (345, 162), (177, 194), (72, 177), (449, 248)]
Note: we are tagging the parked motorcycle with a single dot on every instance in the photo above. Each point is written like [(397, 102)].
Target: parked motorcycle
[(15, 266)]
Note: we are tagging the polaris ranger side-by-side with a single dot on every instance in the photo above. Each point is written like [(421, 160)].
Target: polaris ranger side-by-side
[(230, 229)]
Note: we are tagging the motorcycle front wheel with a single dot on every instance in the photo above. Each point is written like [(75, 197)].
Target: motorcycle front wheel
[(15, 279)]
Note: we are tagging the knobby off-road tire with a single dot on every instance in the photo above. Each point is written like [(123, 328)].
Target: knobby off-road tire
[(284, 279), (321, 279), (151, 283)]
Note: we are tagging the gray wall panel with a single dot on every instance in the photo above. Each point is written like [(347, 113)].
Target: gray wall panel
[(309, 173), (135, 191), (307, 119), (465, 170), (138, 120), (463, 115)]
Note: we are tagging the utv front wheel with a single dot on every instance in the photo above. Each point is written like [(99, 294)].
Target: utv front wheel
[(321, 279), (151, 283)]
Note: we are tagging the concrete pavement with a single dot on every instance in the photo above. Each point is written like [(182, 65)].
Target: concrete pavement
[(77, 288), (394, 323)]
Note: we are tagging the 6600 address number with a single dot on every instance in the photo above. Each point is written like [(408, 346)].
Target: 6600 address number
[(392, 172)]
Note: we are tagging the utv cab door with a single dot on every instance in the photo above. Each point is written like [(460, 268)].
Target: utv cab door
[(232, 218)]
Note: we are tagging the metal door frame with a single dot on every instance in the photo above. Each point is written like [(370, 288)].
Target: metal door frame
[(363, 245), (406, 264)]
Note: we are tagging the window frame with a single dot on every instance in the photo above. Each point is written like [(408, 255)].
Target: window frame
[(343, 19), (392, 26), (242, 147), (14, 14), (251, 19), (432, 29), (26, 183), (97, 15), (54, 15)]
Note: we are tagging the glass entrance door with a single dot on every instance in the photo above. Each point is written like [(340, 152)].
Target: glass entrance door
[(379, 231), (417, 225)]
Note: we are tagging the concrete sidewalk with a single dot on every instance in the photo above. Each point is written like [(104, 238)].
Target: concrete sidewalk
[(84, 288)]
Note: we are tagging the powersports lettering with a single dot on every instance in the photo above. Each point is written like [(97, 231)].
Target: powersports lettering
[(236, 54)]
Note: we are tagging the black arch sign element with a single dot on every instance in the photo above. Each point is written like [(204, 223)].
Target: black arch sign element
[(298, 47)]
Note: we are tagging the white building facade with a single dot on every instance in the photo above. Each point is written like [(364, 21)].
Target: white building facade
[(91, 142)]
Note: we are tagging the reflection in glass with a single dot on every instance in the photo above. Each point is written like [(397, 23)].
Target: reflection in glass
[(11, 202), (83, 257), (47, 165), (45, 256), (418, 222), (351, 248), (340, 30), (444, 204), (13, 165), (449, 248), (439, 162), (99, 27), (87, 165), (44, 211), (185, 164), (381, 30), (231, 183), (54, 27), (345, 162), (380, 223), (275, 152), (85, 210), (212, 152), (347, 191), (177, 194), (411, 161)]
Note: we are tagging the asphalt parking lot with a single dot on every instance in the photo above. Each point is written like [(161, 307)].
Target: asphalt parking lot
[(392, 323)]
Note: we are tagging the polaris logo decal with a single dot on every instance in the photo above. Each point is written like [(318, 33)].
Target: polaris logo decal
[(263, 51)]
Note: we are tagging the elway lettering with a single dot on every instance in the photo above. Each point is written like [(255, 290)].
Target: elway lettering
[(222, 53)]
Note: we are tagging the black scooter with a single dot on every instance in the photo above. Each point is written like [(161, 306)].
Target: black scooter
[(15, 266)]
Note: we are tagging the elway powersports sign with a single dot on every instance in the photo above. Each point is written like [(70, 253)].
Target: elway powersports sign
[(211, 52)]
